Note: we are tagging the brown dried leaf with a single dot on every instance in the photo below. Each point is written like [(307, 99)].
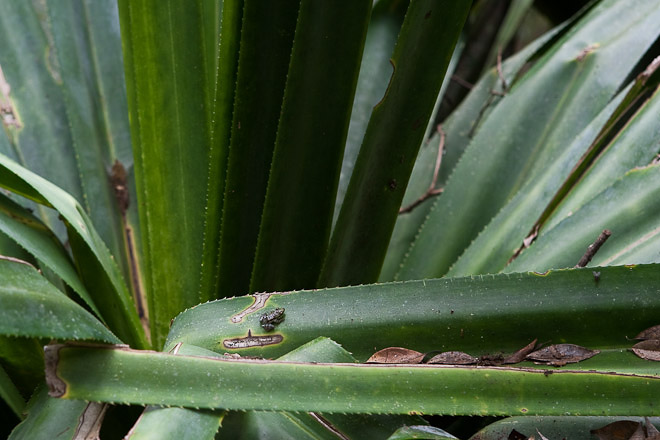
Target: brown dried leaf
[(561, 354), (396, 355), (650, 333), (621, 430), (491, 359), (453, 358), (515, 435), (649, 349), (521, 354), (652, 432)]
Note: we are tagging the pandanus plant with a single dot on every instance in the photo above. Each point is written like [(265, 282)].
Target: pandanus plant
[(242, 219)]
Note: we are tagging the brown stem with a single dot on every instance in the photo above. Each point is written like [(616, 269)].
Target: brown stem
[(432, 190), (593, 248)]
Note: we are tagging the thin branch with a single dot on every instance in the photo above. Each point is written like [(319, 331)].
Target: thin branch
[(460, 81), (593, 248), (432, 190)]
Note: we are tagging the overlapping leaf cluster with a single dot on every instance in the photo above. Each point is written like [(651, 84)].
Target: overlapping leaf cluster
[(271, 148)]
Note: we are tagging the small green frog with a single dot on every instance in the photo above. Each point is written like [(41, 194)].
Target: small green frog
[(272, 318)]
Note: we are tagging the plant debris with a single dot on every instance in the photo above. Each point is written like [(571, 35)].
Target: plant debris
[(648, 349), (521, 354), (627, 430), (559, 355), (396, 355), (649, 333), (453, 358)]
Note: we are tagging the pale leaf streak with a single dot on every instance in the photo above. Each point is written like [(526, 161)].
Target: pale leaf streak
[(432, 190), (648, 236), (18, 260), (7, 112), (260, 299), (327, 425)]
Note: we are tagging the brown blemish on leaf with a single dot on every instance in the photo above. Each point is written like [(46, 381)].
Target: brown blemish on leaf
[(118, 177), (586, 51), (561, 354), (392, 184), (649, 333), (396, 355), (453, 358), (623, 429), (648, 349), (250, 341), (259, 303), (56, 386), (521, 354)]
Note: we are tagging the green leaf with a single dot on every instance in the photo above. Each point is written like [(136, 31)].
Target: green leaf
[(634, 145), (321, 425), (477, 315), (175, 424), (420, 432), (32, 235), (459, 129), (574, 80), (510, 24), (315, 111), (48, 417), (31, 91), (265, 48), (96, 265), (394, 135), (30, 306), (375, 72), (178, 423), (628, 208), (132, 376), (10, 394), (551, 427), (86, 47), (227, 61), (514, 221), (167, 95)]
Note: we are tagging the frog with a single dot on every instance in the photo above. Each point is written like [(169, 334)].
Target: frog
[(271, 319)]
